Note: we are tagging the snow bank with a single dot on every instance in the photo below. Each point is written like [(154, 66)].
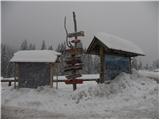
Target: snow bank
[(132, 86), (127, 96), (150, 74)]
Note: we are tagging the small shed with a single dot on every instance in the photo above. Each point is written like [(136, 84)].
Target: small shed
[(35, 68), (115, 54)]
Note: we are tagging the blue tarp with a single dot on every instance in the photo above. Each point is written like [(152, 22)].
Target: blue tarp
[(115, 65)]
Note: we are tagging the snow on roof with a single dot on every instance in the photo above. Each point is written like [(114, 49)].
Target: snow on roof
[(35, 56), (114, 42)]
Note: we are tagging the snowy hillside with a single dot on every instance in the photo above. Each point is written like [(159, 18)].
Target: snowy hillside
[(127, 96)]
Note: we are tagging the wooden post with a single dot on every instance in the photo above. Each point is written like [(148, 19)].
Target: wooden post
[(17, 74), (10, 83), (51, 74), (130, 66), (75, 29), (102, 64), (56, 75), (15, 78)]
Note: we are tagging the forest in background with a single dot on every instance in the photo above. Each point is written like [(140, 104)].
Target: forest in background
[(90, 62)]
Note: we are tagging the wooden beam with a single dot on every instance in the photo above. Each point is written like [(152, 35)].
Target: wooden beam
[(77, 79), (130, 66), (15, 78), (56, 73), (102, 64), (75, 34), (51, 74), (8, 80), (17, 73)]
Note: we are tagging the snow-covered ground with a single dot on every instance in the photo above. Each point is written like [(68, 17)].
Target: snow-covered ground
[(127, 96), (150, 74)]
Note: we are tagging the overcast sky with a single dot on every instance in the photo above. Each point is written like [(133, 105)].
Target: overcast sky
[(37, 21)]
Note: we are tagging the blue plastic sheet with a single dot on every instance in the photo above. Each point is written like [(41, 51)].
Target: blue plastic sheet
[(115, 65)]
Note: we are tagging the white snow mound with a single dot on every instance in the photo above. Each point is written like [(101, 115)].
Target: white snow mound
[(124, 84)]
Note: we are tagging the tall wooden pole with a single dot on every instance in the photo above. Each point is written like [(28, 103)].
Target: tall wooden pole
[(74, 63), (75, 30)]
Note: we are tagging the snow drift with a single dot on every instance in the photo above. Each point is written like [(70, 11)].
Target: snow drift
[(133, 86), (127, 96)]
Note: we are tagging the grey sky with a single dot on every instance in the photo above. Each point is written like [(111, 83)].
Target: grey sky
[(37, 21)]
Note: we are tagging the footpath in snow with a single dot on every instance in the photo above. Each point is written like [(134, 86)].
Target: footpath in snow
[(127, 96)]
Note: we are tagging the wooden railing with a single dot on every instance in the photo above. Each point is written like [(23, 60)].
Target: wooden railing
[(9, 81)]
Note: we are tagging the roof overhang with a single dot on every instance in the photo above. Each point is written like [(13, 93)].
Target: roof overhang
[(95, 45), (36, 56)]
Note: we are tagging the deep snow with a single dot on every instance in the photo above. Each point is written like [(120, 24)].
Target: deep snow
[(127, 96)]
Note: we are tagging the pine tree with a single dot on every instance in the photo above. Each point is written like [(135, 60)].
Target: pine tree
[(6, 68), (24, 45), (140, 65), (134, 63), (61, 48), (50, 47), (155, 64), (31, 46), (43, 47), (147, 67)]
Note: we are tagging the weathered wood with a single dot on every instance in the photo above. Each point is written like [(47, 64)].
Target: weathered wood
[(73, 68), (74, 51), (51, 75), (74, 81), (75, 34), (9, 80), (56, 75), (102, 64), (17, 73), (75, 41), (10, 83), (83, 80), (130, 66), (73, 76), (96, 44), (74, 61), (15, 77)]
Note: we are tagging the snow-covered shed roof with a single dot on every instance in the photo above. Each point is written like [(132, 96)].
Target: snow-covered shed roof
[(35, 56), (116, 43)]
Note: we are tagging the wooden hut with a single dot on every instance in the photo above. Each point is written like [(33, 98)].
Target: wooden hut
[(115, 54), (34, 68)]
